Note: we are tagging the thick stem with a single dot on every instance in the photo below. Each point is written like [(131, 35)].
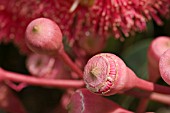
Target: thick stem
[(157, 47), (107, 74), (15, 77), (146, 85), (66, 59), (152, 87), (162, 98), (155, 50)]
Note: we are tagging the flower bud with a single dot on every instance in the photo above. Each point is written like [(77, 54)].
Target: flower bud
[(44, 36), (157, 47), (164, 66), (44, 66), (107, 74), (40, 65)]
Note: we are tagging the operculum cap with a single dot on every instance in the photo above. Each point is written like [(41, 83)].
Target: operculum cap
[(43, 36), (105, 74)]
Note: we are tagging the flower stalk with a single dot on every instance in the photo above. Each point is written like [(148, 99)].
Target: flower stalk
[(157, 47), (113, 76), (43, 36), (16, 77)]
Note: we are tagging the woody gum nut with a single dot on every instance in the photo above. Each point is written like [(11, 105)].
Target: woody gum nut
[(43, 36), (164, 66), (102, 74)]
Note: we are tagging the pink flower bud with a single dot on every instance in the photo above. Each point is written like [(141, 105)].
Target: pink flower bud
[(40, 65), (44, 66), (164, 66), (107, 74), (157, 47), (44, 36)]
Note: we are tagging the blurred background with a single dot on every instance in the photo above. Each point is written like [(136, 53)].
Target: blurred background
[(132, 50)]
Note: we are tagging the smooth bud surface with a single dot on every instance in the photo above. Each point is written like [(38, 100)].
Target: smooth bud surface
[(157, 47), (164, 66), (43, 36)]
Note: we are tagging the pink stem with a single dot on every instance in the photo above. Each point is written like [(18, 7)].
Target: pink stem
[(15, 87), (149, 86), (162, 98), (146, 85), (63, 55), (15, 77), (154, 75)]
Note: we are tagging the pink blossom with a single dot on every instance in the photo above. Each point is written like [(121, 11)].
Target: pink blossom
[(124, 17), (15, 21), (103, 17)]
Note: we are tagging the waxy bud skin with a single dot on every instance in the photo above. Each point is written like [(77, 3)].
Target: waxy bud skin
[(157, 47), (164, 66), (43, 36), (106, 74)]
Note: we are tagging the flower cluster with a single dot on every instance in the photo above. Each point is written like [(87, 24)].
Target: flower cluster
[(66, 42), (101, 17)]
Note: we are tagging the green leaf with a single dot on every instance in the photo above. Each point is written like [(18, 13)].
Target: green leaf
[(135, 57)]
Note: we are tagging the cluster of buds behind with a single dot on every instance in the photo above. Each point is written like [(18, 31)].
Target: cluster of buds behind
[(104, 74), (83, 72), (102, 18)]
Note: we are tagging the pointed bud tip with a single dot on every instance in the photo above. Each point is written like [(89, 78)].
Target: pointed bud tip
[(43, 36), (35, 29)]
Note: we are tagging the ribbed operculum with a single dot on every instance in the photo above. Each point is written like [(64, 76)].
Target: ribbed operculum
[(100, 73)]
